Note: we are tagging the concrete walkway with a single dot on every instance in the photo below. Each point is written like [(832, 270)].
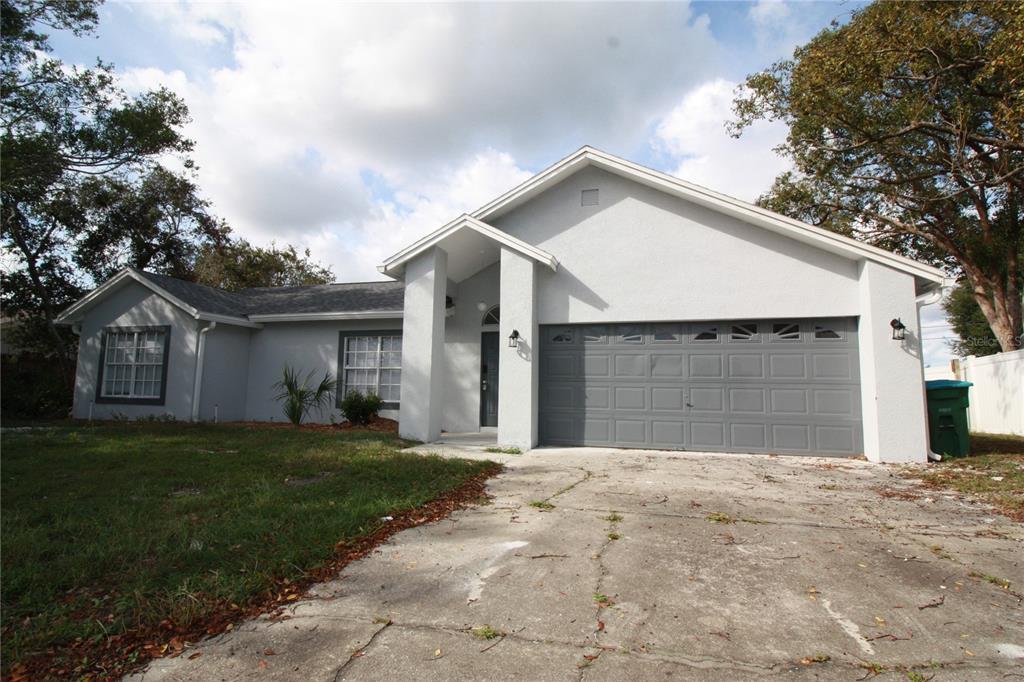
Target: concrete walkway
[(655, 566)]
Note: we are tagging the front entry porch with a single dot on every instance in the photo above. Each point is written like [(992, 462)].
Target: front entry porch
[(449, 363)]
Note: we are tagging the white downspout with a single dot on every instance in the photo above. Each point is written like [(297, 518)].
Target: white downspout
[(197, 385)]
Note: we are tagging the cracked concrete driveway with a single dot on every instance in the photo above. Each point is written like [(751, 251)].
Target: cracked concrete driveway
[(714, 567)]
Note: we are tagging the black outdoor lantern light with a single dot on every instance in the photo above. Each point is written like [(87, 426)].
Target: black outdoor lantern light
[(899, 330), (513, 339)]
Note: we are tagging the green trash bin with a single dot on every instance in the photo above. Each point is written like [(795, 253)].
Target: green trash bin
[(947, 416)]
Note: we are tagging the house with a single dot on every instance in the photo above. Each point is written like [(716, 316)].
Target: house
[(598, 303)]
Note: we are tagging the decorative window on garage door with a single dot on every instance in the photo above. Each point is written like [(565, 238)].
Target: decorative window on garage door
[(786, 331), (372, 363)]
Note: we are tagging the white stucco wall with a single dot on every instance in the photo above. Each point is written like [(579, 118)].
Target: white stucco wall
[(305, 346), (423, 351), (643, 255), (225, 374), (461, 411), (133, 305), (519, 367), (892, 374)]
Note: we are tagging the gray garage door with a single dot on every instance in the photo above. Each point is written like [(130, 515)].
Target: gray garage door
[(788, 386)]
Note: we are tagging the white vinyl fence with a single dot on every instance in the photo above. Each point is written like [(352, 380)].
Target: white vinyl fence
[(997, 397)]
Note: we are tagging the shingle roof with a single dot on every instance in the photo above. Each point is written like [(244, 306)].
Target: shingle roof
[(199, 296), (325, 298), (352, 297)]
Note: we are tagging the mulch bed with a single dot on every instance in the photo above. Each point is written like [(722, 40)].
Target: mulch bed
[(377, 425), (130, 651)]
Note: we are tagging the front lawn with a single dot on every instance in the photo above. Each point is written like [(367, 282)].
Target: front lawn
[(121, 528), (994, 472)]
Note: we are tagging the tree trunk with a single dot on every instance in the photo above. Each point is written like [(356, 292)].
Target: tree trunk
[(31, 266), (1002, 309)]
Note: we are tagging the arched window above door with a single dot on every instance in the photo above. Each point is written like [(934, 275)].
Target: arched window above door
[(492, 316)]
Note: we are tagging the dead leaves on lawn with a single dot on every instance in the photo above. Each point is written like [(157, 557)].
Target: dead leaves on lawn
[(122, 653)]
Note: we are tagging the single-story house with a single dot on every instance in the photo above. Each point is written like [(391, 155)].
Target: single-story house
[(598, 303)]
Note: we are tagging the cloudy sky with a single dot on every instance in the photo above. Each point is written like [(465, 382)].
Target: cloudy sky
[(354, 129)]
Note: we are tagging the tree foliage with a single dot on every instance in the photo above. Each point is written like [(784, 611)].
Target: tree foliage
[(974, 334), (240, 265), (906, 128), (86, 190), (61, 125)]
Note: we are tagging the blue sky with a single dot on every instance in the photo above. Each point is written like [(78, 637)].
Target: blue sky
[(353, 129)]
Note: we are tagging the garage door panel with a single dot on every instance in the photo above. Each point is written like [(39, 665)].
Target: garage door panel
[(706, 366), (787, 366), (707, 399), (707, 434), (768, 386), (831, 366), (631, 431), (597, 365), (559, 428), (560, 365), (747, 400), (597, 430), (597, 397), (667, 365), (835, 438), (746, 366), (631, 366), (667, 398), (748, 436), (788, 401), (668, 433), (560, 397), (630, 398), (835, 401), (791, 437)]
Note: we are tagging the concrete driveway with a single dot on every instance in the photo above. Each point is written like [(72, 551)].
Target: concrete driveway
[(656, 566)]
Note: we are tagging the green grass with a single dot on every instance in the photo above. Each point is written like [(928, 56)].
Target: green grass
[(487, 632), (504, 451), (137, 523), (719, 517), (992, 457), (542, 505)]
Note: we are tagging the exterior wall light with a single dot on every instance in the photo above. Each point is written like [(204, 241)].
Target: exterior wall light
[(899, 330), (513, 339)]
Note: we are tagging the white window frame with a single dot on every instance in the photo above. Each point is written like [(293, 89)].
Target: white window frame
[(105, 366), (344, 368)]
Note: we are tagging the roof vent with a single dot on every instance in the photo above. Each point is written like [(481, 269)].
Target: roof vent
[(588, 197)]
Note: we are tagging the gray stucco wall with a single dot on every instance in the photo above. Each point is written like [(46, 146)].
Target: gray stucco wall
[(305, 346), (135, 306), (225, 373), (644, 255)]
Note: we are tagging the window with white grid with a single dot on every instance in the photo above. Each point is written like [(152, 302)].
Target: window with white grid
[(133, 364), (373, 364)]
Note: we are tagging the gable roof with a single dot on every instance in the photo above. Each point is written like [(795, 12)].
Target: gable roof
[(395, 265), (747, 212), (250, 307)]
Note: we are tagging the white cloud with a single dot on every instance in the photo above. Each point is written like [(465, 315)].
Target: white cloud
[(768, 12), (418, 96), (694, 134)]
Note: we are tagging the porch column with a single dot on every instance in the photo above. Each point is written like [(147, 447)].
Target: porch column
[(518, 367), (891, 372), (426, 278)]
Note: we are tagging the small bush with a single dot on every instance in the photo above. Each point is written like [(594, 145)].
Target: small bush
[(359, 408)]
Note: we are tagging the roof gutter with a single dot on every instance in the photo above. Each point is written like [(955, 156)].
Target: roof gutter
[(316, 317), (197, 385)]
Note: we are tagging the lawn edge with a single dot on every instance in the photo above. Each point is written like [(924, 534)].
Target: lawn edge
[(125, 653)]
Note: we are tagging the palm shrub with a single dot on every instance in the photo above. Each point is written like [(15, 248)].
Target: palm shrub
[(360, 408), (299, 397)]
